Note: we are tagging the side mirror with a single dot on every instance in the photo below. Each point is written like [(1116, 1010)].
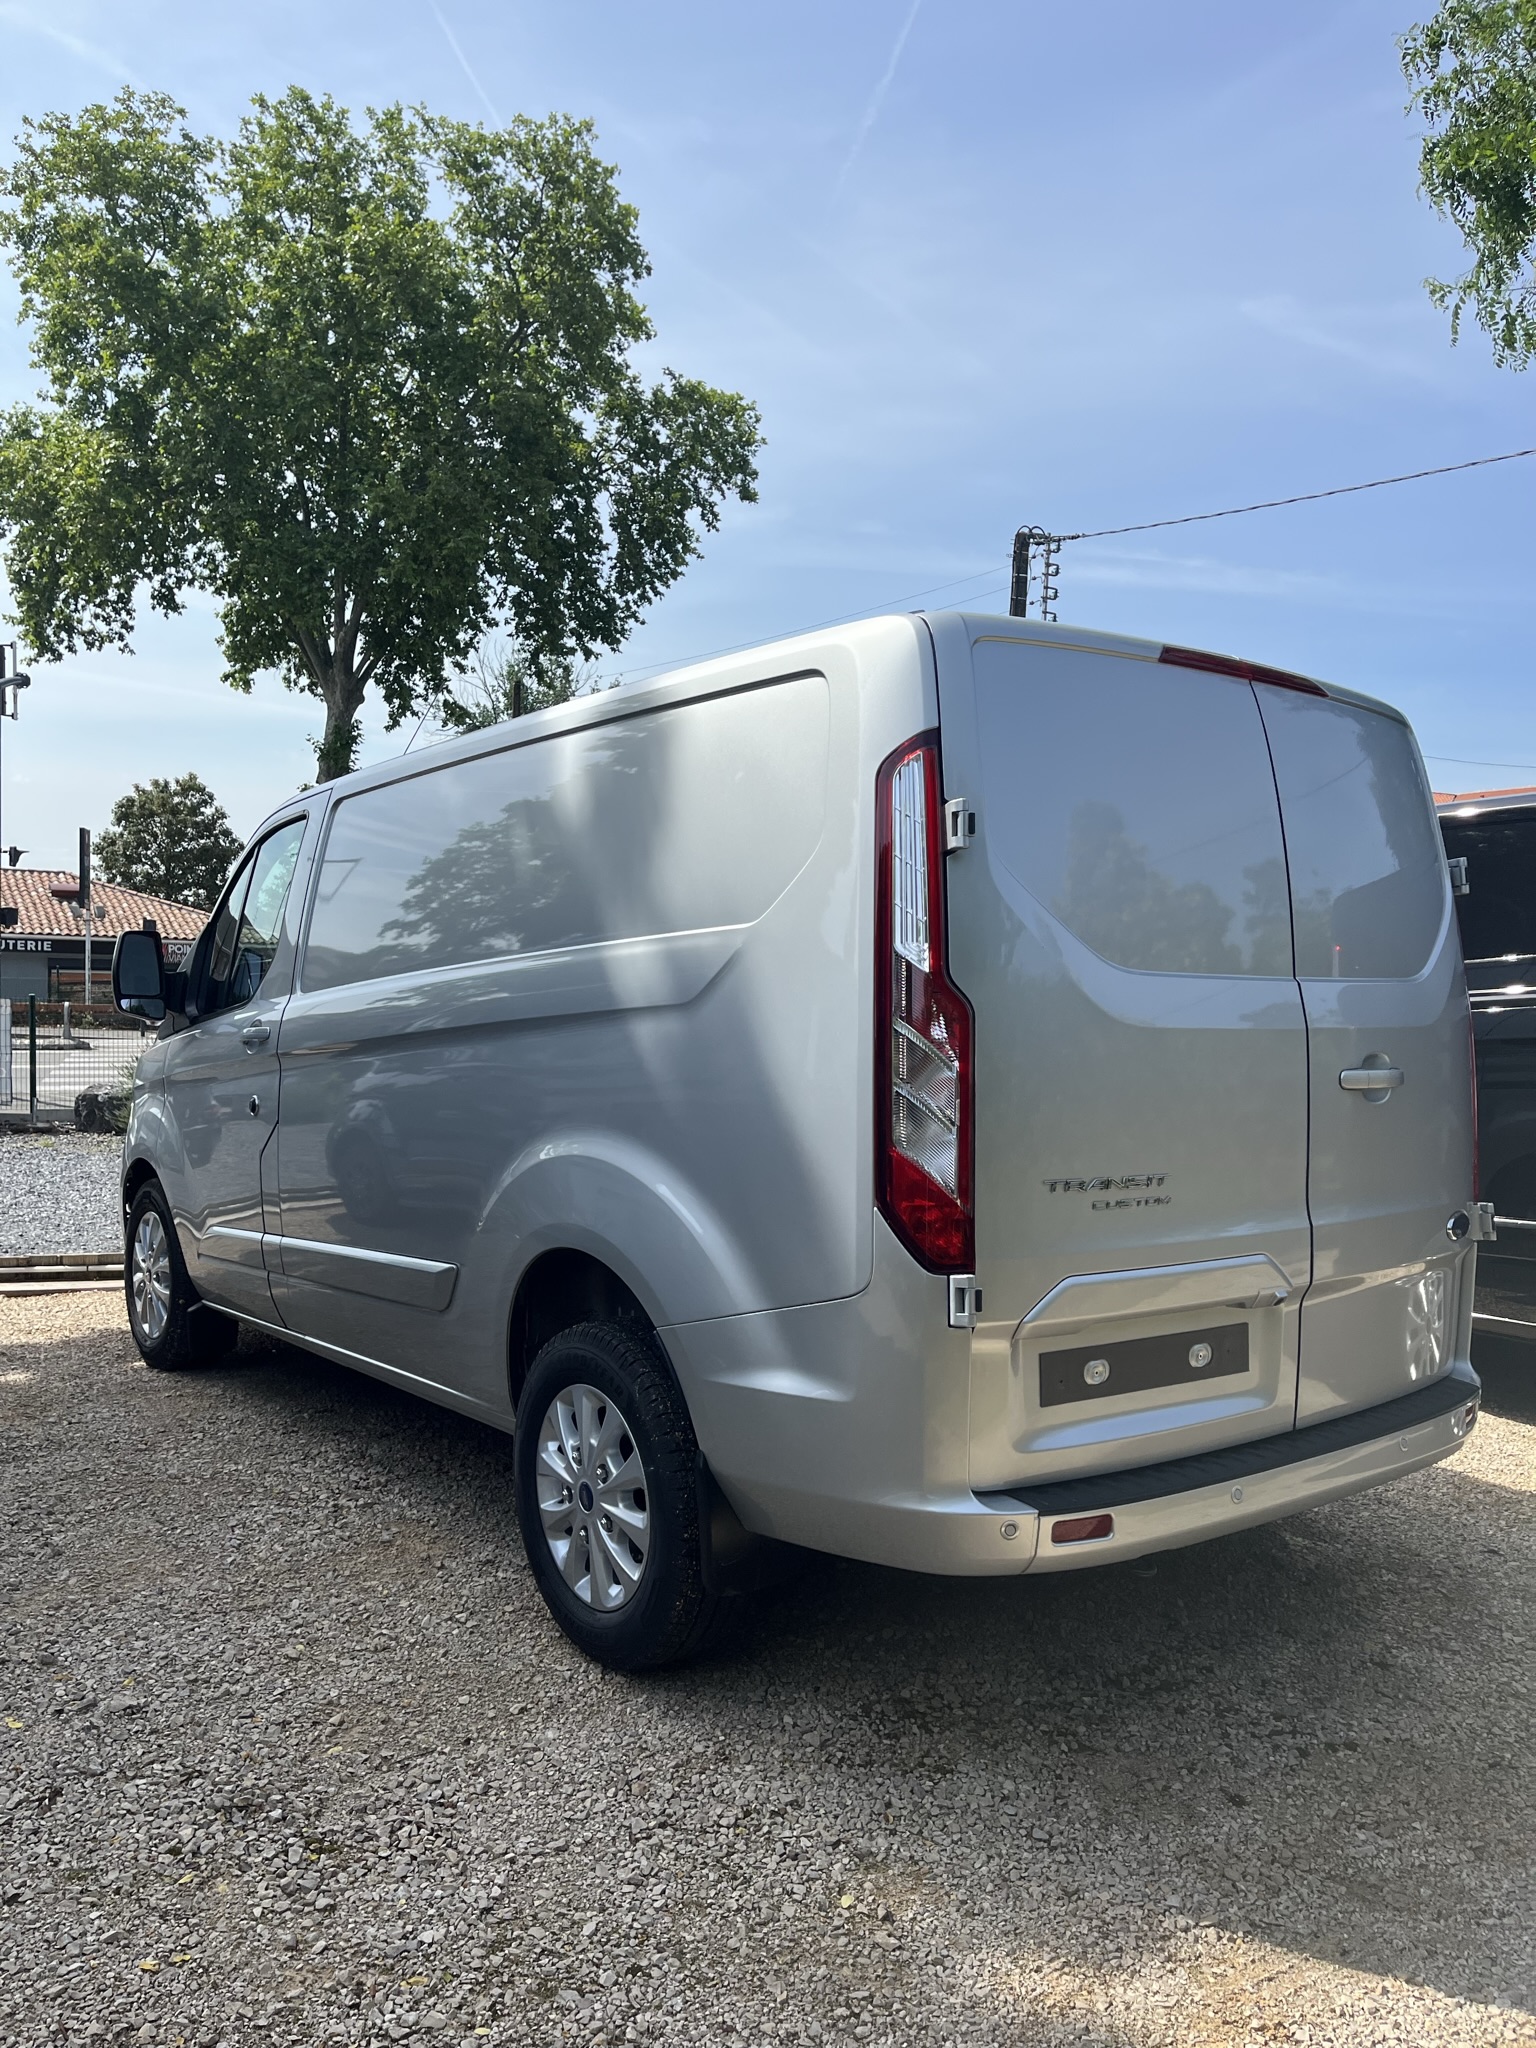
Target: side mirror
[(138, 975)]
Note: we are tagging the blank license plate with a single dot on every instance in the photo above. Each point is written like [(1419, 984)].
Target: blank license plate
[(1097, 1372)]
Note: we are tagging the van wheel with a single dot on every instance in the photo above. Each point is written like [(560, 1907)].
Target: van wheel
[(171, 1325), (607, 1498)]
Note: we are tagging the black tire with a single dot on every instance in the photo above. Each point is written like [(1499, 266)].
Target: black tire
[(155, 1284), (666, 1615)]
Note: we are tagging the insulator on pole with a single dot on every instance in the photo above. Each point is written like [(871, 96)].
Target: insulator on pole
[(1036, 558)]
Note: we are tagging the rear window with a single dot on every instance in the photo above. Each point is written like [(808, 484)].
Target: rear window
[(1136, 803), (1498, 918), (1368, 876)]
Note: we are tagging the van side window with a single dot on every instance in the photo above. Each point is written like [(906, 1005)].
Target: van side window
[(1136, 804), (575, 839), (1368, 876), (248, 922)]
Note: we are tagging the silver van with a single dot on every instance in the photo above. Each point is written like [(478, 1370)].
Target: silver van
[(977, 1096)]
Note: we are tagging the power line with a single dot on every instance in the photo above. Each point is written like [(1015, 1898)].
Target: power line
[(647, 669), (1105, 533), (1411, 476), (843, 619)]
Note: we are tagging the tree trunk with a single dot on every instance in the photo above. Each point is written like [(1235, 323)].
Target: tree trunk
[(337, 752), (341, 690)]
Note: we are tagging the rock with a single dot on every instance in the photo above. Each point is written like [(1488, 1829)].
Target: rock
[(103, 1111)]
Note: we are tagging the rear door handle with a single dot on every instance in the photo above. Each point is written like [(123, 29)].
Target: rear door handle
[(1366, 1080), (254, 1035)]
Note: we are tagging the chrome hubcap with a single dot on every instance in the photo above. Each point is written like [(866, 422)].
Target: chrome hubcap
[(593, 1498), (150, 1273)]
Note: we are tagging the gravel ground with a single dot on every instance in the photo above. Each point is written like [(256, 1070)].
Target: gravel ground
[(59, 1193), (292, 1755)]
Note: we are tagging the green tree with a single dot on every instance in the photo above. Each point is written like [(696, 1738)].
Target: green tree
[(170, 839), (1473, 73), (372, 388)]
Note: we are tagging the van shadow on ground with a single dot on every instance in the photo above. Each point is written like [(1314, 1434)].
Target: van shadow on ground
[(1508, 1369), (1316, 1734)]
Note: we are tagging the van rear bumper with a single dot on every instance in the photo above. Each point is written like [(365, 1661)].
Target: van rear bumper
[(845, 1426), (1161, 1507), (959, 1533)]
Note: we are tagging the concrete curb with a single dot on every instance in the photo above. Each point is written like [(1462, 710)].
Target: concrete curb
[(59, 1272)]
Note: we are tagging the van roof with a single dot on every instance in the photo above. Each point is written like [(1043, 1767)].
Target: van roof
[(989, 626), (624, 699)]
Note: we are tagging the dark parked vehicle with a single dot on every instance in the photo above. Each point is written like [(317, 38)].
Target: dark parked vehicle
[(1496, 905)]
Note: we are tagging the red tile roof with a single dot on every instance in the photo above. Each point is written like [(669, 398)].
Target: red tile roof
[(45, 915), (1480, 796)]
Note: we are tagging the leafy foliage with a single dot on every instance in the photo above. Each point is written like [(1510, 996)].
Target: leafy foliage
[(373, 389), (1473, 72), (171, 839)]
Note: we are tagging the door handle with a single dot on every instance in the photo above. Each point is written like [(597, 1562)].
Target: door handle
[(254, 1035), (1370, 1080)]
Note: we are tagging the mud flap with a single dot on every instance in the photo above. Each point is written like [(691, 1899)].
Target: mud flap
[(732, 1558)]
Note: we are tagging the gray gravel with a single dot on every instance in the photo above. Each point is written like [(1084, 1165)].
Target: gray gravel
[(291, 1754), (59, 1193)]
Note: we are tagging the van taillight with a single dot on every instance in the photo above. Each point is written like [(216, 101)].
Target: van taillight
[(923, 1025), (1477, 1150)]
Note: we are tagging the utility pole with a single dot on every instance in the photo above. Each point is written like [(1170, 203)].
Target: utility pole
[(12, 683), (85, 905), (1036, 559)]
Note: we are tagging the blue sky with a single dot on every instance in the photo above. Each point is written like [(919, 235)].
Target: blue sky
[(978, 263)]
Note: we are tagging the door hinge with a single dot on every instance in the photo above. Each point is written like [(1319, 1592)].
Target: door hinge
[(964, 1301), (1457, 864), (959, 823), (1482, 1231)]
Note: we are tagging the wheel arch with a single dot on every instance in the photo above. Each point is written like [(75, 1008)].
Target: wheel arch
[(564, 1286), (135, 1174)]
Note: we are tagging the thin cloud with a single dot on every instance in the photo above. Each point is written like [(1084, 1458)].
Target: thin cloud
[(1281, 315), (77, 46), (464, 63), (871, 113), (1137, 569), (1207, 576)]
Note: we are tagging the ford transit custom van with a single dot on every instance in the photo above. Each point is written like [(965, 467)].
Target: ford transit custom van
[(977, 1096)]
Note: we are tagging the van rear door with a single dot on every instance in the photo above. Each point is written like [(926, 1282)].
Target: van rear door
[(1379, 963), (1121, 925)]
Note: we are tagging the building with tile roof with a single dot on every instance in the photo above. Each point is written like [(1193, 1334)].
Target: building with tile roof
[(1481, 796), (42, 931)]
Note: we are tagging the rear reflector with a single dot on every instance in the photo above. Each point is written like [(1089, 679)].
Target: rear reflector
[(1083, 1529), (1246, 671)]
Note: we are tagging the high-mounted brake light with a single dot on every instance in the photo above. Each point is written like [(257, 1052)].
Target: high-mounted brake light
[(923, 1025), (1247, 671)]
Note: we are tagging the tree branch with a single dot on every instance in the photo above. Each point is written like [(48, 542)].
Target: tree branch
[(321, 666)]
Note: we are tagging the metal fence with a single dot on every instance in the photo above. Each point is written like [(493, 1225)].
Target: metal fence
[(59, 1064)]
